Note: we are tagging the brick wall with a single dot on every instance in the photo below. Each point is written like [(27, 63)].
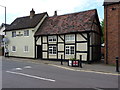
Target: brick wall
[(112, 32), (119, 32)]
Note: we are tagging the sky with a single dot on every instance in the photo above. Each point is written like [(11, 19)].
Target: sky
[(20, 8)]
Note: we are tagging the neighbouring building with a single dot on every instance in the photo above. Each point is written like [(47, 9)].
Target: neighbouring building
[(20, 34), (2, 28), (112, 31), (2, 34), (69, 35)]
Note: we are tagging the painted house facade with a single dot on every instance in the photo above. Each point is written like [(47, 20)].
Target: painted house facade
[(69, 35), (2, 34), (20, 34), (112, 31), (2, 28)]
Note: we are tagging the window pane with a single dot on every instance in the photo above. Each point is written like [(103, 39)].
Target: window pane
[(26, 33), (26, 48), (54, 50), (13, 48), (51, 38), (50, 51), (70, 37), (72, 49), (14, 34), (54, 39), (67, 46), (67, 49)]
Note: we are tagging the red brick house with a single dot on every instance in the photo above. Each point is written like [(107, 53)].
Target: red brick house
[(112, 31)]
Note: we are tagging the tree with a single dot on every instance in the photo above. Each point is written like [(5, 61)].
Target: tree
[(102, 27)]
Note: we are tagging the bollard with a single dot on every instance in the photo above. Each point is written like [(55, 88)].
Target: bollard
[(80, 61), (117, 64), (61, 60)]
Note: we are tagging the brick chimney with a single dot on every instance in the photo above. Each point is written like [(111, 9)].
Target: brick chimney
[(32, 13), (55, 13)]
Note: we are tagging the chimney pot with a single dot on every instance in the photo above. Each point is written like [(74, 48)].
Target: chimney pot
[(32, 13), (55, 13)]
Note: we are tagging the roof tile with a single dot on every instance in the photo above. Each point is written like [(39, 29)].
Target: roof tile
[(75, 22), (25, 22)]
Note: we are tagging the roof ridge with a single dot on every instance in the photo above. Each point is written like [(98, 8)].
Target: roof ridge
[(29, 15), (74, 13), (26, 22)]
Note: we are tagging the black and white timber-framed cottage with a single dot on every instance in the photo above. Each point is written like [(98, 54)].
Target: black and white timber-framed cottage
[(69, 35)]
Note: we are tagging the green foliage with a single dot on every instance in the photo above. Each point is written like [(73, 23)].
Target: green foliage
[(102, 27)]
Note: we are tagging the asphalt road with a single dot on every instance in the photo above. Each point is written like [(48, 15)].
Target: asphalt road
[(17, 74)]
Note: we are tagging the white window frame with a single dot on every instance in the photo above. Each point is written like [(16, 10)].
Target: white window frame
[(52, 38), (13, 33), (26, 32), (51, 47), (70, 37), (26, 48), (13, 49), (68, 50)]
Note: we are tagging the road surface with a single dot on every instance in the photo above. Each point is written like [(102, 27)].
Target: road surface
[(16, 74)]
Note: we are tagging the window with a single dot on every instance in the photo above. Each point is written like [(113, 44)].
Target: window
[(52, 49), (14, 34), (13, 49), (25, 48), (70, 37), (26, 33), (70, 50), (51, 38)]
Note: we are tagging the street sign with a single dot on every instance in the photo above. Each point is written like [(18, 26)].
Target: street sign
[(73, 63)]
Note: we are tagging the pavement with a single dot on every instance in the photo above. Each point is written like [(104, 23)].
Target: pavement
[(94, 67)]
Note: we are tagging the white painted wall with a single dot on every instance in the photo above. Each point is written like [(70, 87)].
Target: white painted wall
[(21, 41)]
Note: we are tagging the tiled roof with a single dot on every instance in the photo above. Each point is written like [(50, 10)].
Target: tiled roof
[(75, 22), (25, 22), (4, 25), (110, 3)]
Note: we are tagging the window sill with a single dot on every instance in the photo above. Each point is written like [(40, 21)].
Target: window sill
[(13, 51), (53, 54), (26, 51)]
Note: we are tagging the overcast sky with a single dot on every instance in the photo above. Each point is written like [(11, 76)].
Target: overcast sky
[(19, 8)]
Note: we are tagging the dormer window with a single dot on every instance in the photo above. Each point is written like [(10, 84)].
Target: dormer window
[(26, 33), (52, 38)]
